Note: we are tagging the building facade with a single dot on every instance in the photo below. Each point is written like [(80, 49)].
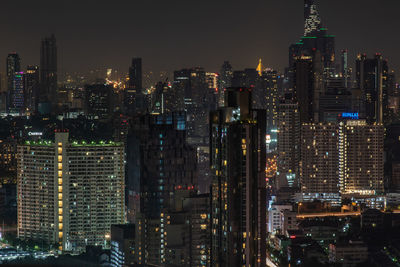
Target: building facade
[(361, 158), (70, 193), (238, 160)]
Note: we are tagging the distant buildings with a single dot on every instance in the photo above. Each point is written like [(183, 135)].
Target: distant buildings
[(99, 101), (70, 193)]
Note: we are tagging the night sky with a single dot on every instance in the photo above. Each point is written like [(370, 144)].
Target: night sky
[(173, 34)]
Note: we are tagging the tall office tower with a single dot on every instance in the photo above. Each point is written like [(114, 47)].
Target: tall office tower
[(160, 162), (288, 144), (13, 66), (32, 87), (99, 101), (345, 69), (224, 81), (238, 160), (70, 193), (48, 74), (17, 104), (308, 87), (134, 99), (372, 79), (361, 158), (319, 161), (135, 74), (315, 40)]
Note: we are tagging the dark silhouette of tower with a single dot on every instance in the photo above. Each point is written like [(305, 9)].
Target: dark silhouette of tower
[(135, 74), (134, 100), (48, 74)]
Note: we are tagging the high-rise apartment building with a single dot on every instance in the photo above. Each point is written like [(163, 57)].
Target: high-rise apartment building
[(48, 74), (69, 192), (238, 160), (319, 166), (361, 158), (288, 144)]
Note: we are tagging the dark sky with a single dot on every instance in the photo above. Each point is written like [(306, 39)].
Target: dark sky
[(172, 34)]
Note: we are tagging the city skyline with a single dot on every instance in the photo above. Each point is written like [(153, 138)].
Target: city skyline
[(101, 36)]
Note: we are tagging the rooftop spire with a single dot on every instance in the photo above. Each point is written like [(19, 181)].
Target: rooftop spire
[(260, 67)]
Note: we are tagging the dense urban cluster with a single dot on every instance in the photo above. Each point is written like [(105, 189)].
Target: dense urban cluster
[(250, 167)]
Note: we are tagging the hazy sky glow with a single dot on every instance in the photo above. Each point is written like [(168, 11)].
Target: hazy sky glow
[(172, 34)]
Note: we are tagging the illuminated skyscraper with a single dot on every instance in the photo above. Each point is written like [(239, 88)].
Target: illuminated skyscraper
[(32, 87), (48, 74), (315, 42), (13, 66), (238, 160), (311, 16), (70, 193), (17, 104)]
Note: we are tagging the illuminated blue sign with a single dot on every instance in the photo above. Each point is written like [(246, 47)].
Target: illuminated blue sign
[(353, 116)]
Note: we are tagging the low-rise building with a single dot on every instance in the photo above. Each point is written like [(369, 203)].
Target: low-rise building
[(348, 254)]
